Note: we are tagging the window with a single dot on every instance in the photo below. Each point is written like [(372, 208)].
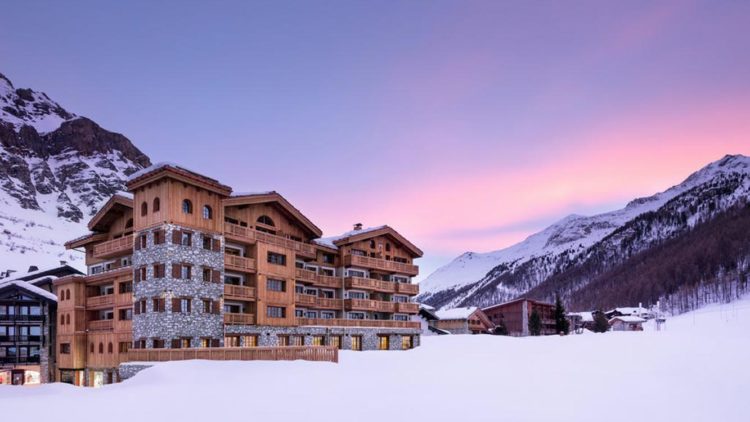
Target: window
[(297, 340), (159, 270), (206, 274), (334, 341), (187, 206), (356, 295), (311, 314), (276, 285), (387, 247), (299, 313), (159, 237), (264, 219), (101, 348), (283, 341), (144, 209), (328, 258), (250, 341), (158, 343), (186, 239), (157, 204), (62, 319), (383, 343), (208, 342), (356, 315), (400, 317), (65, 348), (129, 223), (186, 272), (143, 241), (358, 252), (356, 342), (231, 341), (125, 315), (123, 347), (184, 305), (158, 305), (327, 314), (67, 319), (356, 273), (275, 312), (400, 299), (208, 213), (110, 348), (207, 243), (276, 258), (125, 287), (406, 342), (372, 244)]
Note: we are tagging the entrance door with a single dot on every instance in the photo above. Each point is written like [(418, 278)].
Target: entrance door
[(356, 342), (98, 378), (17, 378)]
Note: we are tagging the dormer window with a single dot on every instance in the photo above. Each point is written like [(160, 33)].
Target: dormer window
[(264, 219), (144, 209), (187, 206), (208, 213), (157, 205)]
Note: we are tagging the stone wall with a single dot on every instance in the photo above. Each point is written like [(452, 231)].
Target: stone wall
[(128, 370), (168, 325), (268, 336)]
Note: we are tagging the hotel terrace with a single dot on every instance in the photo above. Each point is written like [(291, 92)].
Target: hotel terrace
[(180, 262)]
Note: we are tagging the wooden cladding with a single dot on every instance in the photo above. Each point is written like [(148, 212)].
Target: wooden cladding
[(337, 322), (380, 264), (249, 235), (318, 302), (239, 263), (317, 279), (100, 325), (239, 292), (115, 247), (239, 319), (316, 354), (369, 305)]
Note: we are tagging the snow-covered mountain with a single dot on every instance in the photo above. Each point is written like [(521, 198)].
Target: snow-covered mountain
[(56, 169), (486, 278)]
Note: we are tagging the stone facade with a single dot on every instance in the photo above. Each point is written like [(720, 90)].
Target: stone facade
[(168, 325), (128, 370), (268, 336)]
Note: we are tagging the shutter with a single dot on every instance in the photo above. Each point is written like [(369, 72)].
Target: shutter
[(137, 245), (215, 307), (190, 238), (216, 245), (176, 236), (216, 276), (176, 270), (214, 342), (162, 305), (175, 343), (137, 308), (176, 305), (137, 275)]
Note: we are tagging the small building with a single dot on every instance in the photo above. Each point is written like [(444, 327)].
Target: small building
[(638, 311), (514, 315), (626, 323), (470, 320), (427, 318)]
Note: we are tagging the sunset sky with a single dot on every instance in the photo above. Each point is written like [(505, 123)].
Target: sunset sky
[(464, 125)]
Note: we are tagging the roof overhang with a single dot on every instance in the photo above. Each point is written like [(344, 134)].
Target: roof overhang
[(171, 171), (115, 207), (281, 202), (384, 231), (85, 240)]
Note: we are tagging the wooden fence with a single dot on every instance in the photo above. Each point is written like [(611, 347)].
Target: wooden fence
[(310, 353)]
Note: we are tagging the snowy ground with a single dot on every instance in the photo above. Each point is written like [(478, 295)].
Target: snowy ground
[(696, 370)]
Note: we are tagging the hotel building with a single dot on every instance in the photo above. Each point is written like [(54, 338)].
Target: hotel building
[(181, 262)]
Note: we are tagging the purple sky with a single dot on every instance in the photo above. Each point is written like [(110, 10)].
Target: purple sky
[(465, 125)]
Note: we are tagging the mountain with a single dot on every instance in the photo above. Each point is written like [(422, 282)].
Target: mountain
[(56, 169), (571, 256)]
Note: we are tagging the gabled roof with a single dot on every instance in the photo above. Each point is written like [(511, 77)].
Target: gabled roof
[(275, 198), (24, 285), (174, 171), (58, 271), (115, 207), (628, 318), (456, 313), (370, 232)]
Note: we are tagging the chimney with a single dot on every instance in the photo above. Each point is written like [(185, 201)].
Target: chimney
[(33, 268), (63, 263), (358, 226)]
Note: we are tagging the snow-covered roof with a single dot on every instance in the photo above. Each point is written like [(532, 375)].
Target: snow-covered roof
[(124, 194), (585, 316), (628, 318), (30, 287), (329, 241), (267, 192), (153, 167), (456, 313), (629, 310)]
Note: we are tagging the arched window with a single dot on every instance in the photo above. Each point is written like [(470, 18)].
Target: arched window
[(101, 348), (187, 206), (208, 213), (67, 294), (157, 204), (144, 209), (92, 347), (67, 319), (129, 223), (264, 219), (110, 349), (62, 319)]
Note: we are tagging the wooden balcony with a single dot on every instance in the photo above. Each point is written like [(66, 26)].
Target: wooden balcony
[(239, 233), (310, 353), (369, 305), (104, 301), (407, 289), (123, 326), (380, 264), (300, 248), (336, 322), (238, 263), (114, 247), (123, 299), (101, 325), (407, 307), (317, 302), (370, 284), (239, 319), (239, 292), (317, 279), (124, 273)]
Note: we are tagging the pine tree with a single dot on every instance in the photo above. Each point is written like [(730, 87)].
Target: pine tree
[(562, 325), (601, 324), (535, 323)]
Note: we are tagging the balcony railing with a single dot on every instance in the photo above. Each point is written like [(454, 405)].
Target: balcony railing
[(407, 289), (114, 247), (381, 264), (124, 299), (318, 279), (111, 274), (101, 325), (239, 263), (308, 300), (337, 322), (239, 319), (316, 353), (300, 248), (245, 234), (19, 360), (407, 307), (239, 292), (370, 284), (369, 305), (317, 302), (103, 301)]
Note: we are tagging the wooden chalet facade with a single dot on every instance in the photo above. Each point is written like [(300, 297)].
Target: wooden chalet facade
[(180, 262), (469, 320), (515, 316)]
